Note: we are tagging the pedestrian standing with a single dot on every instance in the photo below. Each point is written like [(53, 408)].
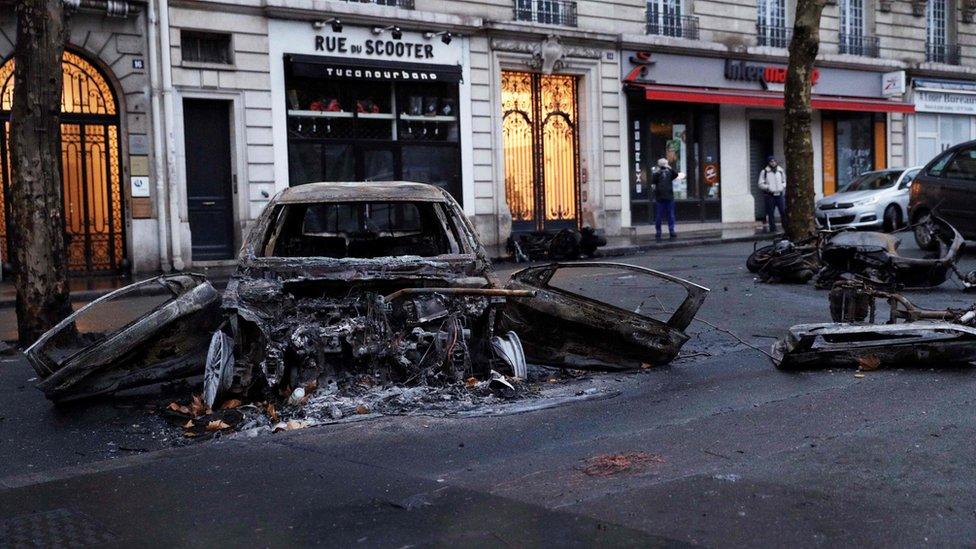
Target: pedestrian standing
[(663, 182), (772, 182)]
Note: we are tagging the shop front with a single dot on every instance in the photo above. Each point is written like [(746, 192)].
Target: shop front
[(945, 116), (717, 120), (367, 104)]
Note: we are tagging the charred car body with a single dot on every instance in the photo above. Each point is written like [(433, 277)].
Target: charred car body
[(337, 280)]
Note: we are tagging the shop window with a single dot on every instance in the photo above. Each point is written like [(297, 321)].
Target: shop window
[(688, 137), (205, 47), (372, 129), (853, 143)]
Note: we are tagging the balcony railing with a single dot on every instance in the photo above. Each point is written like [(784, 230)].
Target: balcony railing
[(942, 53), (774, 36), (677, 26), (549, 12), (405, 4), (857, 44)]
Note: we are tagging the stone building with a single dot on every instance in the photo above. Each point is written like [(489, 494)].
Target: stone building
[(535, 114)]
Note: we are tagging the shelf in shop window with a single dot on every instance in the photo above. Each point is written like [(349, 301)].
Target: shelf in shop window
[(376, 115), (320, 114), (424, 118)]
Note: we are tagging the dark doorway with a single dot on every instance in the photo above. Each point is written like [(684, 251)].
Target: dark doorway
[(209, 178), (760, 148)]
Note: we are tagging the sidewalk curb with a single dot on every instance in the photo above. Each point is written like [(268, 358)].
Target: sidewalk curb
[(622, 251), (85, 296)]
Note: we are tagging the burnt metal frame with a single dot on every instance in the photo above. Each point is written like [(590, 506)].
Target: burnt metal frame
[(538, 156), (82, 121)]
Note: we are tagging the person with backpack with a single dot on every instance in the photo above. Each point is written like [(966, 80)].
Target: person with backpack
[(663, 183), (772, 182)]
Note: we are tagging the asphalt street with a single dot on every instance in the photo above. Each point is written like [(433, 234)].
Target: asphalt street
[(735, 453)]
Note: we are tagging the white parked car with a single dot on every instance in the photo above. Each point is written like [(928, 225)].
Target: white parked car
[(872, 200)]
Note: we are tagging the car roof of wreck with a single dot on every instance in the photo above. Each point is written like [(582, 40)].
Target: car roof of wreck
[(362, 191)]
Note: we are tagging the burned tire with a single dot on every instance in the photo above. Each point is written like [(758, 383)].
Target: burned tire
[(758, 259), (923, 234)]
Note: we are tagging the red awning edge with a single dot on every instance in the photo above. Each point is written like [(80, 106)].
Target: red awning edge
[(770, 99)]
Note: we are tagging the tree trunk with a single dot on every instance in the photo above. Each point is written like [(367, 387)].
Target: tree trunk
[(36, 224), (797, 137)]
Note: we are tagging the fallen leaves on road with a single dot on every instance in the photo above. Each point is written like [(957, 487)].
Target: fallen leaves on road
[(606, 465), (290, 425), (217, 425), (230, 404), (868, 363)]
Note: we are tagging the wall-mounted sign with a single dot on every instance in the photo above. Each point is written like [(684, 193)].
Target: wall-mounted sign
[(893, 83), (944, 102), (764, 74), (397, 49), (641, 67), (140, 186)]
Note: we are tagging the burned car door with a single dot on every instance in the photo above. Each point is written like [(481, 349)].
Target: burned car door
[(601, 315), (151, 331)]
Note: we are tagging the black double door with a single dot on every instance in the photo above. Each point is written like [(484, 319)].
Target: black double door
[(760, 149), (209, 178)]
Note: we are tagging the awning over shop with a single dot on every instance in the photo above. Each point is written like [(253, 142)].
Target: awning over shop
[(748, 98), (343, 68)]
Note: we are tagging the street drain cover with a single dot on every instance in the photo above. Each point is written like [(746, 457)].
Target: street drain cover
[(55, 528)]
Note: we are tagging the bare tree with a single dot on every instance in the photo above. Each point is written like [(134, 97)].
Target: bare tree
[(797, 138), (36, 224)]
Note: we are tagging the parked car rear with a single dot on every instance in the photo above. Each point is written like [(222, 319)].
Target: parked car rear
[(872, 200), (946, 186)]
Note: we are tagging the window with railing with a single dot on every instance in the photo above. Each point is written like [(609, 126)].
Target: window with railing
[(851, 30), (938, 47), (548, 12), (771, 29), (664, 18), (858, 44), (774, 37)]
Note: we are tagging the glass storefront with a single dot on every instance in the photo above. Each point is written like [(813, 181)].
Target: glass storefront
[(687, 134), (853, 143), (935, 133), (351, 120)]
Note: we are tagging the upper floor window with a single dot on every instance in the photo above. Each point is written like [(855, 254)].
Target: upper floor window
[(549, 12), (938, 46), (851, 17), (852, 37), (664, 18), (205, 47), (771, 29)]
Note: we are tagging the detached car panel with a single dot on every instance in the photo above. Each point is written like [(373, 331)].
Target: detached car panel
[(151, 331), (564, 328)]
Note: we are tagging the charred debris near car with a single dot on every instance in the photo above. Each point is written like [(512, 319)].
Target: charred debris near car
[(861, 270), (355, 298)]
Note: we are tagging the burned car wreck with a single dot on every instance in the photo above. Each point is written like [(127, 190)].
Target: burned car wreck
[(349, 281), (910, 335)]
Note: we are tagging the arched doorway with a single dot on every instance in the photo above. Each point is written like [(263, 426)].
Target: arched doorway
[(90, 167)]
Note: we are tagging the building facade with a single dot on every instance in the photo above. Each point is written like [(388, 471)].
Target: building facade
[(183, 118)]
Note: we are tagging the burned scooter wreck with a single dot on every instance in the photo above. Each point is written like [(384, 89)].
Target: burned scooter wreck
[(910, 335), (367, 284), (867, 255)]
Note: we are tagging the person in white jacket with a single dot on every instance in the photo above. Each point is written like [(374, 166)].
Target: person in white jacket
[(772, 182)]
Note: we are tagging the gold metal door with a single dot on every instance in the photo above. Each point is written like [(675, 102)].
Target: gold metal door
[(90, 167), (541, 147)]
